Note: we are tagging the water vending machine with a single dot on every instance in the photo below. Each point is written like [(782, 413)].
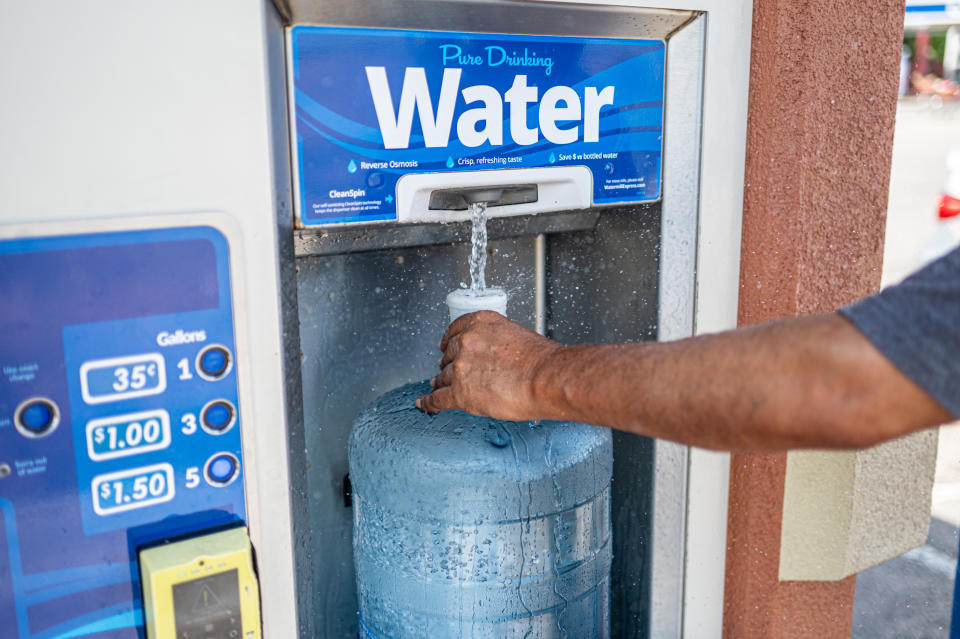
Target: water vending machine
[(227, 233)]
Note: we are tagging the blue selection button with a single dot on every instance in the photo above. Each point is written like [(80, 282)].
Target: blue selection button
[(37, 417), (214, 362), (218, 416), (222, 469)]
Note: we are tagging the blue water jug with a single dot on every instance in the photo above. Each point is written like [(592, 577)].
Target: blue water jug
[(472, 527)]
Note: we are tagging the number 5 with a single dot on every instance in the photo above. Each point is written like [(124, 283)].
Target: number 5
[(138, 378), (139, 488), (193, 477)]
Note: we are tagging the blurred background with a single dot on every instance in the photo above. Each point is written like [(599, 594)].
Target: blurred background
[(911, 596)]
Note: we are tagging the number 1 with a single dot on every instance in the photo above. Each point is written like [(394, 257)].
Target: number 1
[(184, 366), (118, 491)]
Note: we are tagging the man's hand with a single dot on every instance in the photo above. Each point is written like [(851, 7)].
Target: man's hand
[(488, 368)]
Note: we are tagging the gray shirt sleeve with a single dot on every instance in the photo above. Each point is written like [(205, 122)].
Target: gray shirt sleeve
[(916, 325)]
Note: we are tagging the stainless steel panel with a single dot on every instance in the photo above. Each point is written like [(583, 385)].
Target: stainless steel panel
[(602, 283), (490, 16), (602, 287), (678, 258), (293, 396), (352, 239), (370, 322)]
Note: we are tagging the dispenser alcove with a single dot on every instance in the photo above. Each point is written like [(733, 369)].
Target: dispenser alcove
[(370, 321), (371, 312)]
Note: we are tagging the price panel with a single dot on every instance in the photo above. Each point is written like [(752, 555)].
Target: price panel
[(110, 380), (130, 434), (134, 488)]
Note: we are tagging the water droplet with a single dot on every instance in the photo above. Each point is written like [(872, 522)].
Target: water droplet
[(552, 158), (449, 163), (497, 435)]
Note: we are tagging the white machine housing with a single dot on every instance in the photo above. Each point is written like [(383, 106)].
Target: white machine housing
[(130, 116)]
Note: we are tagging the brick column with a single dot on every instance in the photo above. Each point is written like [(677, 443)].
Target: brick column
[(823, 91)]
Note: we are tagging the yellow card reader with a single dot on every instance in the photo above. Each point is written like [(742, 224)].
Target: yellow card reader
[(201, 588)]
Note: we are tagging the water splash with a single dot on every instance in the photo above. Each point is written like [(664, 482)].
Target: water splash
[(478, 248), (521, 520), (559, 533), (496, 434)]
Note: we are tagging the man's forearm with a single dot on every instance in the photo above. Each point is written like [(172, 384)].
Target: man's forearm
[(807, 382)]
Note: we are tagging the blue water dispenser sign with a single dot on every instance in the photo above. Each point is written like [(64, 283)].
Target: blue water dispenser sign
[(373, 105)]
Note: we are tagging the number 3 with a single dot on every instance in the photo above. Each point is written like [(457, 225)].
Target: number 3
[(123, 382), (189, 424)]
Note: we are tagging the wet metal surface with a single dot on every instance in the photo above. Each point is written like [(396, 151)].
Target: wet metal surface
[(370, 322), (602, 287), (355, 239)]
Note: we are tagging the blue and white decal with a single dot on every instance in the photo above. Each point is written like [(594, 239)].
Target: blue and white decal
[(924, 14), (373, 105), (103, 444)]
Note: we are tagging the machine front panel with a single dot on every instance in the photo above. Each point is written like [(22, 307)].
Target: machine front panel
[(373, 105), (119, 421)]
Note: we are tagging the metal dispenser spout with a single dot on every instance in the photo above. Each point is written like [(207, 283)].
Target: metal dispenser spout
[(462, 198), (445, 197), (490, 197)]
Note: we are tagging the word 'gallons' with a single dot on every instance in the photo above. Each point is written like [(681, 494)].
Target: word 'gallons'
[(373, 105)]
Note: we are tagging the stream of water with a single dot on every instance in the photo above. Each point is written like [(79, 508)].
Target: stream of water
[(478, 248)]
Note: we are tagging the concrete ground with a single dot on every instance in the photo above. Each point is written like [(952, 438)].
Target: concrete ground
[(910, 597)]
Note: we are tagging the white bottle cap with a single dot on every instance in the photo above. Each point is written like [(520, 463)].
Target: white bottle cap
[(463, 301)]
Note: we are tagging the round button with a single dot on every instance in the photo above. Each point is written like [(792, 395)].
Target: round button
[(218, 416), (214, 362), (37, 417), (222, 469)]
